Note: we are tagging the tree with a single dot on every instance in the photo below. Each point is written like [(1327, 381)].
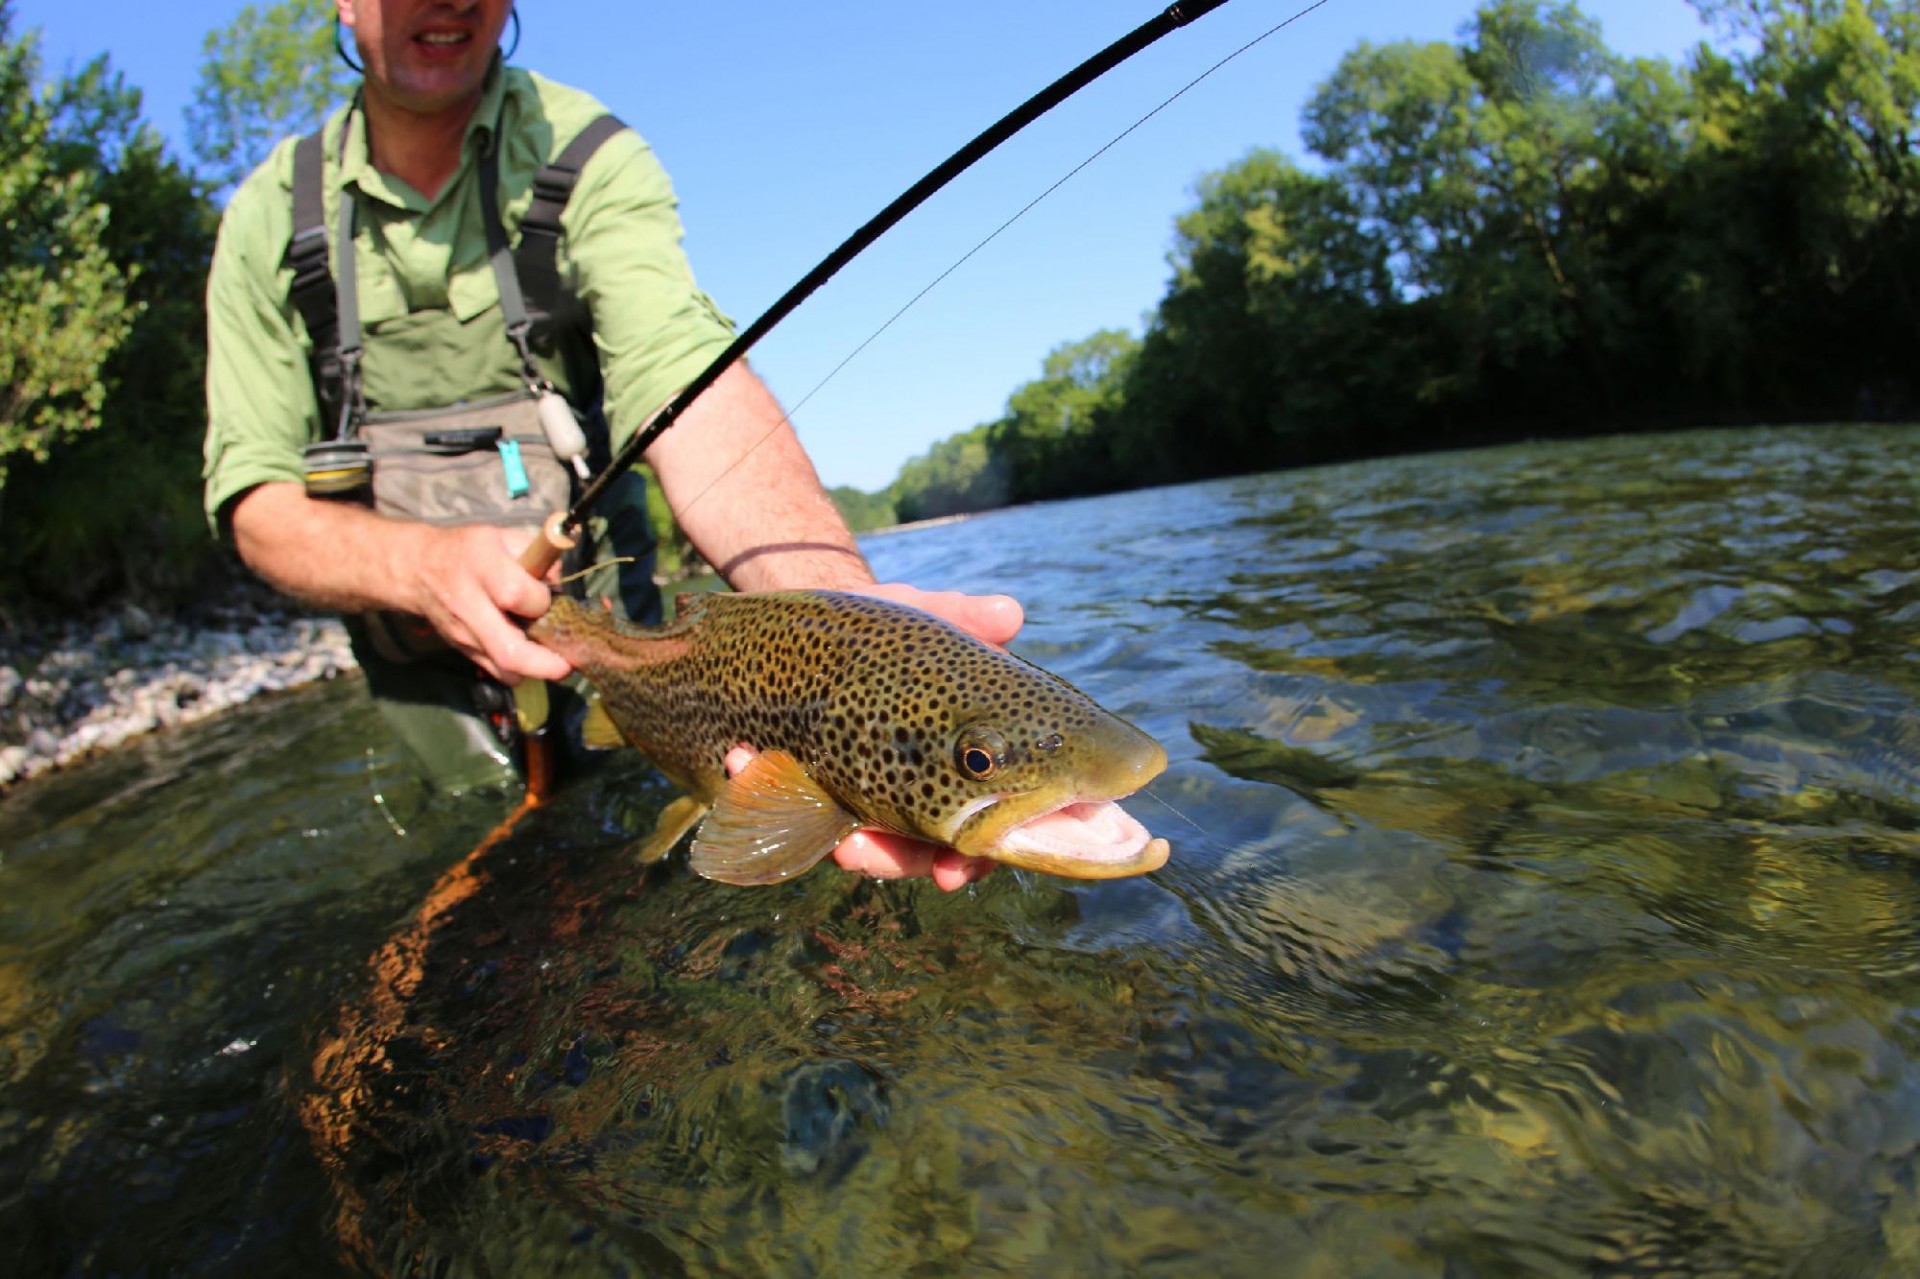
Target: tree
[(862, 510), (63, 302), (1268, 345), (272, 73), (115, 511), (1480, 164), (1053, 440), (1801, 201), (1515, 234), (955, 476), (1199, 398)]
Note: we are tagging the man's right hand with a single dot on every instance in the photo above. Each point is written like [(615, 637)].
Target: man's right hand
[(467, 582), (471, 587)]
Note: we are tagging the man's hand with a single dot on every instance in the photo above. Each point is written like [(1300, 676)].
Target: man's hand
[(993, 618), (880, 854), (467, 582), (470, 585)]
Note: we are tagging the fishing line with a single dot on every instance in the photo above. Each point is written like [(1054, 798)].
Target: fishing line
[(786, 417), (1149, 792), (595, 567), (554, 536)]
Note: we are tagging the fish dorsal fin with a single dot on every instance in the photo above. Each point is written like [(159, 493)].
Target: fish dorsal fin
[(597, 730), (772, 822)]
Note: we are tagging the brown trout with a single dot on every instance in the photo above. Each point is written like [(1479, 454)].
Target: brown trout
[(865, 713)]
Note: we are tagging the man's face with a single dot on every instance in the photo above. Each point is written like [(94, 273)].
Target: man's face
[(425, 56)]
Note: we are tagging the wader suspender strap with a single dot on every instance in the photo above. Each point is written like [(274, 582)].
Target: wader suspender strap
[(536, 260), (324, 303), (353, 397), (513, 306), (312, 289)]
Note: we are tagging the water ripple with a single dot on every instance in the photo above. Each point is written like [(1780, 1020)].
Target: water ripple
[(1545, 900)]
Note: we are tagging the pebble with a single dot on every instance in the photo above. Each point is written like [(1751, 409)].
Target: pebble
[(74, 691)]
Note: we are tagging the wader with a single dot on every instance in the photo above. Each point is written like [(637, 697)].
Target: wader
[(506, 458)]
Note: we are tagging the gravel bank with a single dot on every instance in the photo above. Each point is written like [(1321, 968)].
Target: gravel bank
[(69, 691)]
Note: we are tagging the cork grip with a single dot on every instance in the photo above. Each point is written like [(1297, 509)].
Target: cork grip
[(547, 546)]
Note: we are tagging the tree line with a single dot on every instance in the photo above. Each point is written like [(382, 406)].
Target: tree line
[(102, 317), (1517, 234)]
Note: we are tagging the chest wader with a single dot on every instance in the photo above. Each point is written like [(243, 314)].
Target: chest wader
[(508, 459)]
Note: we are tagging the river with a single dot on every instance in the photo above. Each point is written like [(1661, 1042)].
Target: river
[(1544, 900)]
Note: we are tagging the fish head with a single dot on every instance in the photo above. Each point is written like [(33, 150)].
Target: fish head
[(1029, 776)]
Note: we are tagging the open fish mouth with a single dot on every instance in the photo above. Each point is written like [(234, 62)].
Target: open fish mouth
[(1083, 839)]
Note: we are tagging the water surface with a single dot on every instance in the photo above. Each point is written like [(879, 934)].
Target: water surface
[(1543, 901)]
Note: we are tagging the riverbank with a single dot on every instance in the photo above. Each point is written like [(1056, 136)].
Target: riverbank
[(73, 689)]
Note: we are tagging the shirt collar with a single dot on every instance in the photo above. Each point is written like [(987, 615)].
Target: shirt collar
[(356, 157)]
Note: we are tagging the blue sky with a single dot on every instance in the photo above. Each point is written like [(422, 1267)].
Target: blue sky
[(785, 126)]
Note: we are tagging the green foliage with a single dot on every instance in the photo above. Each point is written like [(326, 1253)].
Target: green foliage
[(1479, 165), (1051, 441), (272, 73), (675, 559), (1268, 337), (1792, 252), (957, 475), (64, 306), (117, 510), (1515, 234), (862, 511)]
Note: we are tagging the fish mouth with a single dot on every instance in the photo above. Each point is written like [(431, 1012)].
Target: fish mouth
[(1078, 831), (1082, 839)]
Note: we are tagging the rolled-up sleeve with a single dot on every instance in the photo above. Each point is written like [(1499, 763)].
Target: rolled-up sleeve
[(260, 403), (654, 328)]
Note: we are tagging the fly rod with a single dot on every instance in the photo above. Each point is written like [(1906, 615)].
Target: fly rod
[(556, 536)]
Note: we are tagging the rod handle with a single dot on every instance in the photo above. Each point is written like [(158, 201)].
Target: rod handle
[(547, 546)]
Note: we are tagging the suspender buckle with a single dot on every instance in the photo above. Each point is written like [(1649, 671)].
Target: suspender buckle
[(555, 184)]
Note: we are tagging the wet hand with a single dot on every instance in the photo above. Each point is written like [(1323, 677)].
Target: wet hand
[(993, 618), (880, 854), (469, 584)]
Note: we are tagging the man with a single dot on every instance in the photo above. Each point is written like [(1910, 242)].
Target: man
[(406, 153)]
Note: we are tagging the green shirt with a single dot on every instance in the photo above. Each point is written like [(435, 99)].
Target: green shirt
[(429, 306)]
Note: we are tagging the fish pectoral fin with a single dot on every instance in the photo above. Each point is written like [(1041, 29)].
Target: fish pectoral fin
[(772, 822), (676, 819), (597, 730)]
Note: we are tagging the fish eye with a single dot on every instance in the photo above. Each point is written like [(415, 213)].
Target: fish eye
[(980, 753)]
